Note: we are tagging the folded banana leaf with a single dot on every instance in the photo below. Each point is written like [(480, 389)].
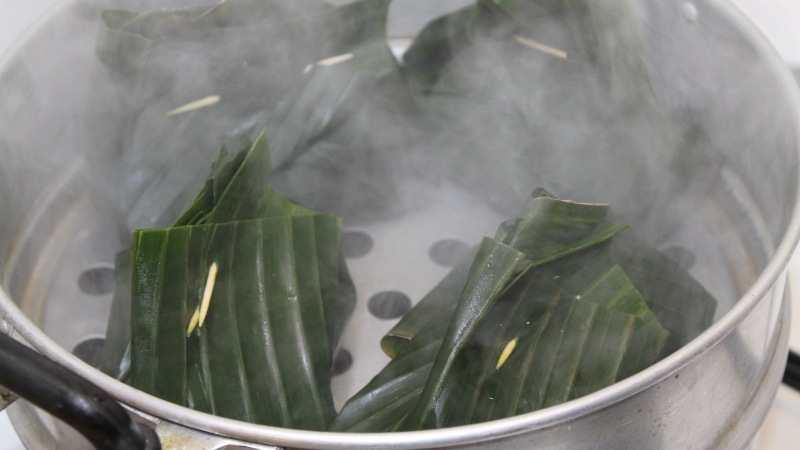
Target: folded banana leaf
[(546, 229), (261, 346), (572, 100), (264, 353), (398, 387), (310, 72), (626, 335), (435, 45), (436, 307), (349, 130), (115, 360), (679, 301), (566, 346), (449, 366), (606, 34)]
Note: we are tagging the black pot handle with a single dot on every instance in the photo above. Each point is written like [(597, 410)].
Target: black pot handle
[(74, 400), (791, 375)]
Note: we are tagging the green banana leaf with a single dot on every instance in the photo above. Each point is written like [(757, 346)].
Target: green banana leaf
[(435, 45), (279, 303), (614, 330), (438, 364), (264, 354), (436, 307), (222, 171), (568, 346), (116, 359), (548, 117), (474, 358), (399, 388), (534, 232), (679, 301), (263, 60), (495, 266), (150, 64), (606, 34)]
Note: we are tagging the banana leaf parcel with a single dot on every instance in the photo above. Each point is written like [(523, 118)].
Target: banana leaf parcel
[(236, 310), (542, 314)]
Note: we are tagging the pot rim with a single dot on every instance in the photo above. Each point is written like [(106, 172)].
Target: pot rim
[(537, 420)]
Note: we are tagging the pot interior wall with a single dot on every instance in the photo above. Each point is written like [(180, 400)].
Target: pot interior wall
[(712, 188)]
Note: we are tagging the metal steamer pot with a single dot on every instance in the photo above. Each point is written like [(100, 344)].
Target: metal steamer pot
[(726, 207)]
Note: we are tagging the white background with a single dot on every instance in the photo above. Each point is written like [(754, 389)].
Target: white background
[(780, 21)]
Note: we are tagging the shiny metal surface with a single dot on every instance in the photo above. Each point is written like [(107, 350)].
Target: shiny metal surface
[(60, 227)]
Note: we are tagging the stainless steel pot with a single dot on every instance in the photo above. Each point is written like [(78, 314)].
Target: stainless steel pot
[(727, 207)]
